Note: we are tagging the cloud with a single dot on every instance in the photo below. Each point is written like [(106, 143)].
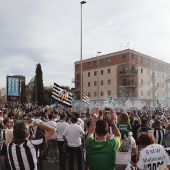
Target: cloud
[(48, 32)]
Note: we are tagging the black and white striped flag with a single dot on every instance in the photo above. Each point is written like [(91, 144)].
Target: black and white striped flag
[(62, 96), (86, 99)]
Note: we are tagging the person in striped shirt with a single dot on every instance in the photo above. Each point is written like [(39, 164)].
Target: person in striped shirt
[(22, 152)]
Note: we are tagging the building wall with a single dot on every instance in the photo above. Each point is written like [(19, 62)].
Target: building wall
[(150, 80)]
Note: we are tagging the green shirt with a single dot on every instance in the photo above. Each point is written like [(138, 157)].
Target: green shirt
[(124, 128), (101, 155)]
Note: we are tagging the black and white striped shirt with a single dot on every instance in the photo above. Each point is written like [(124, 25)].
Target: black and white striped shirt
[(159, 135), (24, 156)]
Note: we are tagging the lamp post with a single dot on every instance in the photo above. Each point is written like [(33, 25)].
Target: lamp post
[(81, 80)]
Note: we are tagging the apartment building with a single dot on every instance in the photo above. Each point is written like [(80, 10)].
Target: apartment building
[(124, 75)]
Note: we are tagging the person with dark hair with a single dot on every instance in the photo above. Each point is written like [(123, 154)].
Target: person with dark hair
[(61, 125), (153, 155), (21, 152), (101, 152), (132, 164), (73, 134), (158, 132)]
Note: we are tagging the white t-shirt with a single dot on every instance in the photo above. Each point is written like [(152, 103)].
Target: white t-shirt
[(73, 133), (152, 156), (60, 129), (125, 157), (53, 124)]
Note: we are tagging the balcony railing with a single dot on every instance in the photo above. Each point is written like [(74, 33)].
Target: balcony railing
[(75, 80), (154, 88), (128, 84), (128, 72), (77, 89)]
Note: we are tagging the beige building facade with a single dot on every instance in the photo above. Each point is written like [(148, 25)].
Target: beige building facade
[(124, 75)]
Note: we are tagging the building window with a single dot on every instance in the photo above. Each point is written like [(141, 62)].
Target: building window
[(102, 94), (148, 93), (157, 84), (132, 56), (101, 72), (124, 56), (141, 92), (141, 81), (101, 82), (95, 73), (102, 61), (89, 94), (163, 85), (108, 71), (78, 66), (95, 94), (95, 83), (88, 84), (142, 70), (108, 60), (95, 63), (109, 93), (148, 82), (163, 95), (88, 74), (109, 81), (89, 64)]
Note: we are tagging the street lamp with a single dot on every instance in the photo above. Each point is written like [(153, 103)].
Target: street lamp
[(98, 79), (81, 80)]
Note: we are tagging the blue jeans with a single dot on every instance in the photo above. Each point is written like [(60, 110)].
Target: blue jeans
[(72, 152)]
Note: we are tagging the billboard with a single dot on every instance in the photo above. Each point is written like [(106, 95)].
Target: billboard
[(13, 88)]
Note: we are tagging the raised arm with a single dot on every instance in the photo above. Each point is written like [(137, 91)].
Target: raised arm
[(49, 130)]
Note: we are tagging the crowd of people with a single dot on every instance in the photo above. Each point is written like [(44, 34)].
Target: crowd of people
[(31, 135)]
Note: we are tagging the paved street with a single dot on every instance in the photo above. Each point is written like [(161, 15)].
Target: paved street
[(55, 166)]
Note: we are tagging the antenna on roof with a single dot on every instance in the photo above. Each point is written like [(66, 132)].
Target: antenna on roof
[(127, 46)]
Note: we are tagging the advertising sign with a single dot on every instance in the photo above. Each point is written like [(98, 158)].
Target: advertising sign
[(13, 88)]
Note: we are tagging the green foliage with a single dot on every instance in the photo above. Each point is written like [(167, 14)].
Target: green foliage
[(47, 96)]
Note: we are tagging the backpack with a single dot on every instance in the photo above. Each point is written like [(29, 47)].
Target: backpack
[(125, 144)]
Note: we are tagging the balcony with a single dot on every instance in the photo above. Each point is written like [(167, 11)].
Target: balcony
[(77, 89), (75, 80), (154, 88), (154, 77), (128, 72), (128, 84)]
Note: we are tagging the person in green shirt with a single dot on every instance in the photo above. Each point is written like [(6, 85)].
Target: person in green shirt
[(124, 124), (101, 152)]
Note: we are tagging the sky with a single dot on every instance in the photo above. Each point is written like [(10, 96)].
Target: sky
[(48, 32)]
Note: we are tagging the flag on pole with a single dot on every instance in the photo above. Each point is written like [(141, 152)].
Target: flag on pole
[(62, 96), (127, 101), (86, 99)]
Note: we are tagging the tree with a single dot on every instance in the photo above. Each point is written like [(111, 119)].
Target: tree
[(23, 92), (48, 96), (39, 87)]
